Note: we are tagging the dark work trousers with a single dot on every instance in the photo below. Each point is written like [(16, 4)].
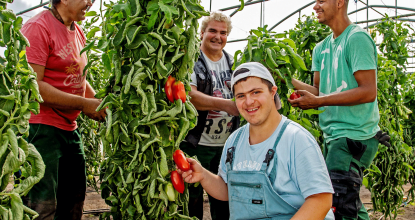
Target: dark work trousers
[(209, 157), (346, 160), (60, 194)]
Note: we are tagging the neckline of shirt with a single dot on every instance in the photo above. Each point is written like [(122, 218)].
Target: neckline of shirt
[(342, 35), (276, 131), (59, 23), (214, 62)]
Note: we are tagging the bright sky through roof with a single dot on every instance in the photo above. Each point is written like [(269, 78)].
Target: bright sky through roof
[(249, 18)]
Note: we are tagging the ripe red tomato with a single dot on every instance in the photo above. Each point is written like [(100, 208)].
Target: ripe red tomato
[(177, 181), (179, 92), (180, 160), (168, 88), (295, 96)]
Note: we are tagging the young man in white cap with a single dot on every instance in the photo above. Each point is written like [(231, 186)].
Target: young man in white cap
[(271, 167)]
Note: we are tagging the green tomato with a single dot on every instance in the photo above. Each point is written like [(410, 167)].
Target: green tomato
[(90, 177), (170, 191)]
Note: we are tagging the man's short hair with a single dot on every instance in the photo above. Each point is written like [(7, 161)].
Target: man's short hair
[(55, 2), (217, 16)]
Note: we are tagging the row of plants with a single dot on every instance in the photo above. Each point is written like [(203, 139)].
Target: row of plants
[(21, 164)]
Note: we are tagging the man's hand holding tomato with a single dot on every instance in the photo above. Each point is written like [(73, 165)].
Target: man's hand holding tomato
[(306, 101)]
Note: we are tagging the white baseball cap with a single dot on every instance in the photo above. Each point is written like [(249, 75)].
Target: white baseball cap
[(257, 70)]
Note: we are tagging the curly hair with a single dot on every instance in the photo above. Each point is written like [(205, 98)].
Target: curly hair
[(217, 16)]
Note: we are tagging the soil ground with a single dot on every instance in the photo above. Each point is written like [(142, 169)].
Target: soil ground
[(94, 203)]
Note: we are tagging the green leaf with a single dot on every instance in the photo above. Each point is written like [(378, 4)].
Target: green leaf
[(152, 6), (311, 112), (291, 43), (242, 5), (9, 14), (17, 24), (152, 20), (88, 47), (168, 11), (16, 206), (164, 169), (106, 61), (91, 13), (92, 32)]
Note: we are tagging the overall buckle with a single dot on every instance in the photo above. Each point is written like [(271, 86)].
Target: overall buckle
[(269, 156), (229, 155)]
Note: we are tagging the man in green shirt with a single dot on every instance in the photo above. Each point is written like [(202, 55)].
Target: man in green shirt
[(345, 74)]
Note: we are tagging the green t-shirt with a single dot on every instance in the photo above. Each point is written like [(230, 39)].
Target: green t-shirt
[(337, 60)]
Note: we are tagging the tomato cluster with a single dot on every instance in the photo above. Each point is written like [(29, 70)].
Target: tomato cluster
[(174, 90), (181, 162), (294, 95)]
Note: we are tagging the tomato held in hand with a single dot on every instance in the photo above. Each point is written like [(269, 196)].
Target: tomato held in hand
[(181, 160), (168, 88), (177, 181), (179, 92), (295, 96)]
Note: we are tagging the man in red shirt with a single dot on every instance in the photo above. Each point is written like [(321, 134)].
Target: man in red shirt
[(54, 54)]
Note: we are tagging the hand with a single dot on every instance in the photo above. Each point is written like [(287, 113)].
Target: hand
[(306, 101), (195, 174), (231, 108), (90, 105)]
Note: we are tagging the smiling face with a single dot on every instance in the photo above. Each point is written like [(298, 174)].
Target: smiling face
[(214, 37), (325, 10), (77, 8), (255, 101)]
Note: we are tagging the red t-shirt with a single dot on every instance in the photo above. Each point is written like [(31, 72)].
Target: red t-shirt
[(57, 48)]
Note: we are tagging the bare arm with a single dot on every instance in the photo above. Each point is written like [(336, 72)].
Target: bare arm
[(315, 207), (213, 184), (364, 93), (298, 85), (204, 102), (55, 98), (89, 92)]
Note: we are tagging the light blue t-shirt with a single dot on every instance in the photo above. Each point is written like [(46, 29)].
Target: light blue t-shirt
[(301, 170)]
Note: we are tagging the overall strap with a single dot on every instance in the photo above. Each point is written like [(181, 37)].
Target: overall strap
[(231, 151), (271, 152)]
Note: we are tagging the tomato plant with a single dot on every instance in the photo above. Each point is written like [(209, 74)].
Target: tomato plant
[(142, 43), (19, 96), (391, 167)]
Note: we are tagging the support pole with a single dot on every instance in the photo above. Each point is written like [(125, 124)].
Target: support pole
[(367, 14)]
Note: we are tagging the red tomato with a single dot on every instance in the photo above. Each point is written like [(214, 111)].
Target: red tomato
[(181, 161), (295, 96), (177, 181), (178, 91), (168, 88)]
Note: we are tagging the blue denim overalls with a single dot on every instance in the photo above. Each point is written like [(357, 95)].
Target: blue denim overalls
[(251, 195)]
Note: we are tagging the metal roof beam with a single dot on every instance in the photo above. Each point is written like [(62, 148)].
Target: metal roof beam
[(382, 6), (372, 20), (32, 8), (295, 12), (238, 6)]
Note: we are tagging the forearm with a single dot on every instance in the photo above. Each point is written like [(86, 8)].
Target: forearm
[(215, 186), (315, 207), (356, 96), (55, 98), (298, 85), (203, 102), (89, 91)]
